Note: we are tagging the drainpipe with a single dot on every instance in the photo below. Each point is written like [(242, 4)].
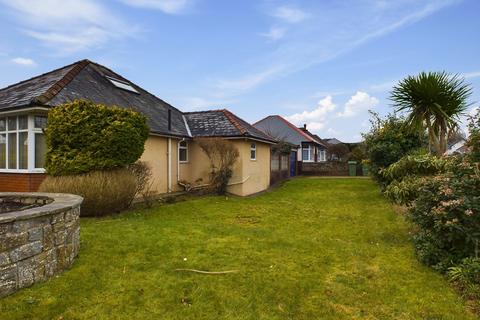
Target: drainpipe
[(178, 162), (169, 164)]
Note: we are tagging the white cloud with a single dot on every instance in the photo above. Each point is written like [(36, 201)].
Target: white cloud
[(315, 118), (236, 86), (290, 14), (68, 25), (275, 33), (23, 61), (333, 131), (470, 75), (167, 6), (315, 126), (318, 118), (382, 87), (359, 102), (473, 111), (336, 30)]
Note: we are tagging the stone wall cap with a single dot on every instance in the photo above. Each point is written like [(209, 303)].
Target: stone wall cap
[(61, 201)]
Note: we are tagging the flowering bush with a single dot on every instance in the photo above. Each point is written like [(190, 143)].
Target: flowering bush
[(447, 212)]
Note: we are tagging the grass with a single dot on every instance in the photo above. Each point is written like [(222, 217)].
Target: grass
[(312, 249)]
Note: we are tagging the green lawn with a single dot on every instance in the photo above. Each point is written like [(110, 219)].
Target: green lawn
[(312, 249)]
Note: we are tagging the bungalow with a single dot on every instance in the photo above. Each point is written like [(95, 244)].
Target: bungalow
[(309, 147), (172, 149)]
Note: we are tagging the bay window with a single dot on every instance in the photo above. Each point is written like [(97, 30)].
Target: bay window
[(22, 144)]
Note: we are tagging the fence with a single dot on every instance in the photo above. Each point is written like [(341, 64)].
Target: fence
[(279, 167)]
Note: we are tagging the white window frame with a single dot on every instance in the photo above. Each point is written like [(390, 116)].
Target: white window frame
[(322, 155), (31, 130), (310, 158), (253, 148), (180, 147)]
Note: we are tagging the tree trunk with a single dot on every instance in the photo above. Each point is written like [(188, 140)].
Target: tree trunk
[(433, 142), (443, 141)]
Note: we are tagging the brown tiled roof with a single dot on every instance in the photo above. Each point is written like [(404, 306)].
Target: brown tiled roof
[(60, 84), (234, 121)]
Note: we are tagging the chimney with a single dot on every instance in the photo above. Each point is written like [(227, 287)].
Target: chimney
[(169, 120), (305, 126)]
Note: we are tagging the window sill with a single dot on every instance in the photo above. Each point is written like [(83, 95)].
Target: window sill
[(22, 171), (183, 162)]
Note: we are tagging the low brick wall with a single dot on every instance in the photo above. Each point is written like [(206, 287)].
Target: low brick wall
[(329, 168), (40, 242), (20, 182)]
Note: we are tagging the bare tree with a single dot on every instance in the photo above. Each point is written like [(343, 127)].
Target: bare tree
[(223, 156), (339, 151)]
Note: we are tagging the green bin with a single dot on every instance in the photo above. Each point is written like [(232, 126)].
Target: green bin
[(352, 168), (365, 170)]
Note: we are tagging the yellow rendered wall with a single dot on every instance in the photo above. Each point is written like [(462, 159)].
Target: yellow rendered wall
[(249, 176), (255, 174), (156, 156)]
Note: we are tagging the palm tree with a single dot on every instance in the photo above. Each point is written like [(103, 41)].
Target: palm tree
[(434, 101)]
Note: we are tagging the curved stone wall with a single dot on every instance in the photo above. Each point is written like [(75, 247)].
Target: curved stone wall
[(40, 242)]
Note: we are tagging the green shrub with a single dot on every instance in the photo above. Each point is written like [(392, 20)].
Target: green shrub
[(466, 275), (447, 212), (473, 142), (403, 178), (104, 192), (82, 136), (420, 163), (403, 191), (387, 142)]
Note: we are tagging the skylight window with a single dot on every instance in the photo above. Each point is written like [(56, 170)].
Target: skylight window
[(122, 84)]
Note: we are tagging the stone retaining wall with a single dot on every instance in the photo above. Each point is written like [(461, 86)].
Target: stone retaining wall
[(38, 243)]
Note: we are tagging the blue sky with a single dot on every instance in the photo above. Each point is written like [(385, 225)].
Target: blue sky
[(324, 63)]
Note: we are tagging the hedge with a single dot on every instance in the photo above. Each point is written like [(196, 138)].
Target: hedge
[(82, 137)]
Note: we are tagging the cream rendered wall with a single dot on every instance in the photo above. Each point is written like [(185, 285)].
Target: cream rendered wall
[(197, 169), (156, 155), (249, 176), (255, 173)]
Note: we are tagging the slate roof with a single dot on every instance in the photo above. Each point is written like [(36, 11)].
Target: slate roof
[(222, 123), (333, 141), (315, 137), (282, 129), (26, 93), (86, 80)]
